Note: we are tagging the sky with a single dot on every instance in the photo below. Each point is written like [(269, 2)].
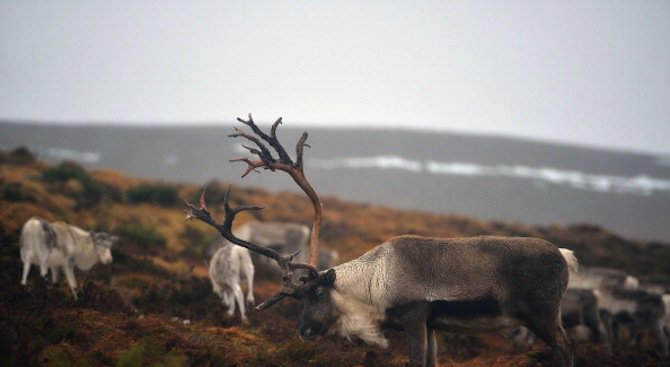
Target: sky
[(582, 72)]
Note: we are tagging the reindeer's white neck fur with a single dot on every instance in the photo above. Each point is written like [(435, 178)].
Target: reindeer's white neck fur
[(358, 294), (358, 319)]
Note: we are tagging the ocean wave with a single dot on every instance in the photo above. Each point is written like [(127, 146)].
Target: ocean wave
[(383, 162), (74, 155), (637, 185)]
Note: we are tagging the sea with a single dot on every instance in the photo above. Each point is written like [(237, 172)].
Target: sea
[(486, 177)]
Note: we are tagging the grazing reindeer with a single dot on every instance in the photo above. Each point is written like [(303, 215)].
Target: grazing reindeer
[(623, 302), (636, 310), (229, 265), (283, 237), (422, 284), (580, 308), (61, 245)]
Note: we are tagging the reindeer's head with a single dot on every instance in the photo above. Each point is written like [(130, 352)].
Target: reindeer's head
[(318, 309), (103, 245)]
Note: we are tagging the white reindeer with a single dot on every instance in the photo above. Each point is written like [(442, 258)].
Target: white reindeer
[(63, 246), (229, 265)]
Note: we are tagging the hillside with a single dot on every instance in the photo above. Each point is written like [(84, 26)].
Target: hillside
[(154, 304)]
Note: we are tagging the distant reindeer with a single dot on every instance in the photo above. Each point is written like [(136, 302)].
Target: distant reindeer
[(659, 284), (623, 303), (229, 265), (63, 246), (603, 278), (422, 284), (636, 310), (580, 307), (283, 237)]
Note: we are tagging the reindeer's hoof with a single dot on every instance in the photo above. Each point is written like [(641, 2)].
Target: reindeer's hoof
[(76, 293)]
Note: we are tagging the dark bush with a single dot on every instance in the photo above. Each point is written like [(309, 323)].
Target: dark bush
[(18, 156), (15, 192), (92, 191), (22, 155), (159, 194)]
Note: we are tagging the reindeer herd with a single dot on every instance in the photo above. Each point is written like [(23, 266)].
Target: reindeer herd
[(418, 284)]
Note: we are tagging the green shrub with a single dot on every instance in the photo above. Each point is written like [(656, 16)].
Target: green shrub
[(66, 171), (135, 356), (143, 236), (196, 242), (132, 357), (158, 194)]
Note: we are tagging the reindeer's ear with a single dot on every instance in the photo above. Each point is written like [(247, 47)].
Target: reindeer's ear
[(328, 279)]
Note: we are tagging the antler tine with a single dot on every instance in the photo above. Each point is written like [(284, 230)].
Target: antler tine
[(251, 165), (299, 147), (272, 300), (225, 229), (264, 154), (286, 164), (270, 139), (311, 269), (201, 199), (273, 130)]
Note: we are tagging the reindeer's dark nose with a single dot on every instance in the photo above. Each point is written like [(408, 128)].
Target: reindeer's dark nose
[(311, 332)]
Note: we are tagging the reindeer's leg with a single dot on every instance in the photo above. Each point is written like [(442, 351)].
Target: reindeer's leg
[(417, 333), (225, 298), (71, 280), (657, 330), (431, 357), (26, 270), (44, 270), (608, 325), (54, 274), (251, 301), (239, 297), (414, 319), (230, 299), (553, 334)]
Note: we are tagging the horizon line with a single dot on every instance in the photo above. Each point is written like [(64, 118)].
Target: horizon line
[(333, 126)]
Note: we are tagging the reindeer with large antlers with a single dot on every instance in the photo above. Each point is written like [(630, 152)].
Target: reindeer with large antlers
[(421, 284)]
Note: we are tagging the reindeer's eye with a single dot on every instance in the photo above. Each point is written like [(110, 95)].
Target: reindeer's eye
[(319, 292)]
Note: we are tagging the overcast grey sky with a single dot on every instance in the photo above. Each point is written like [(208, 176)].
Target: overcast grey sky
[(587, 72)]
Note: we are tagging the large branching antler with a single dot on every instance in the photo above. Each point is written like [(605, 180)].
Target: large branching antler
[(282, 162), (285, 263)]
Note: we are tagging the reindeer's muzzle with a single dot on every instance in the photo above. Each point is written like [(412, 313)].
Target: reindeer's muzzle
[(106, 257), (311, 331)]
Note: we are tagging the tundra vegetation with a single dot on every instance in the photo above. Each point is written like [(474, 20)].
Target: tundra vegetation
[(134, 311)]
